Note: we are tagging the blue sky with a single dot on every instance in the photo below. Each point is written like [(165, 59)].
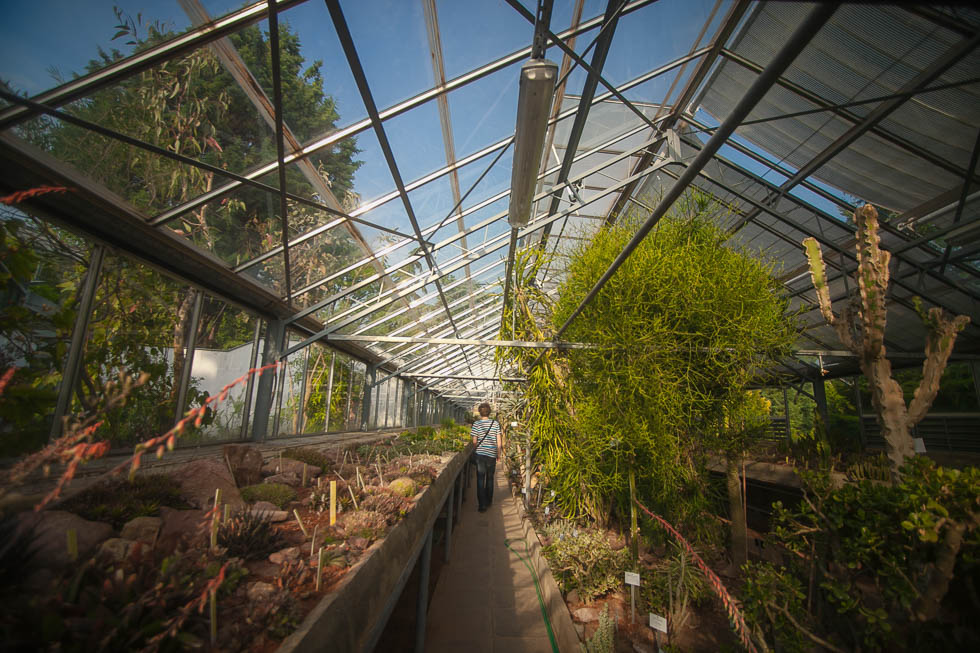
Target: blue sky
[(392, 44)]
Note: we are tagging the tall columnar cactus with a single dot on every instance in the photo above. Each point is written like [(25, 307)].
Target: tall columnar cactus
[(862, 330)]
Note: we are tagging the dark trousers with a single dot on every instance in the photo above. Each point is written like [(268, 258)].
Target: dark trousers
[(485, 466)]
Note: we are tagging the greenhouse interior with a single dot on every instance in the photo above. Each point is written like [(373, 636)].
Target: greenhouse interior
[(293, 290)]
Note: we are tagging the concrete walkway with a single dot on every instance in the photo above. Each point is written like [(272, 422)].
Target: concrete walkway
[(485, 600)]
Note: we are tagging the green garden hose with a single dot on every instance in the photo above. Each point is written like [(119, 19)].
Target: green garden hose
[(537, 589)]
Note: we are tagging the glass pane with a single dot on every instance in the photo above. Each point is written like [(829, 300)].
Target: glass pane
[(222, 356), (44, 267), (139, 325), (46, 43), (401, 68)]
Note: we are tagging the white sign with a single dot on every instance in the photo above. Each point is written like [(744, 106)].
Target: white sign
[(523, 490), (658, 623), (632, 578), (514, 424), (547, 509), (920, 445)]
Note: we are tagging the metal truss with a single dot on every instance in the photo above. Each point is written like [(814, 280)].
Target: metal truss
[(337, 135)]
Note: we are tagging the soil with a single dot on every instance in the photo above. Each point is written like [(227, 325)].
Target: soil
[(245, 624)]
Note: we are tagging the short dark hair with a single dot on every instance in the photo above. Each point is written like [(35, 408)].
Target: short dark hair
[(484, 409)]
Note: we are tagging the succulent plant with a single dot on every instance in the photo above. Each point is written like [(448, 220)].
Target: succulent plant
[(248, 535)]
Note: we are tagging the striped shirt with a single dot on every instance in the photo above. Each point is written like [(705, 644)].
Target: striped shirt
[(492, 430)]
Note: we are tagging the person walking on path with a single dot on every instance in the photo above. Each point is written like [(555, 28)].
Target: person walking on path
[(489, 440)]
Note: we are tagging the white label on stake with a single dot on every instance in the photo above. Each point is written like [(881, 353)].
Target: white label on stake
[(514, 424), (920, 445), (658, 623), (547, 509), (632, 578), (523, 490)]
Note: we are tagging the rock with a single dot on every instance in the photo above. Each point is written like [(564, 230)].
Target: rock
[(289, 466), (198, 480), (267, 506), (144, 529), (51, 536), (245, 462), (586, 615), (285, 479), (259, 592), (178, 525), (403, 486), (274, 515), (286, 555), (573, 597), (116, 548)]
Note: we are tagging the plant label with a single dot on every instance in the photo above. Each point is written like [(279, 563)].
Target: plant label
[(547, 510), (658, 623), (632, 578), (514, 424), (523, 490), (920, 445)]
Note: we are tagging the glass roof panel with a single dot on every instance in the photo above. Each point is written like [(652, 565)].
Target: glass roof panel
[(476, 33), (401, 68), (485, 111), (47, 43)]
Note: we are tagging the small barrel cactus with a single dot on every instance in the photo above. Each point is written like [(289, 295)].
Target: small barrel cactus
[(403, 486)]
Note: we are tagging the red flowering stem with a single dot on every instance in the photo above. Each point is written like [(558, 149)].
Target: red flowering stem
[(734, 614), (5, 379), (195, 415), (21, 195)]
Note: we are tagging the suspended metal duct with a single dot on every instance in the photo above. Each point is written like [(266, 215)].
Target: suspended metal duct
[(537, 88)]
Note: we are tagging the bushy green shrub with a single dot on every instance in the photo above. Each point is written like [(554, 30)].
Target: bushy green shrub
[(119, 500), (310, 457), (248, 535), (882, 559), (276, 493), (583, 560)]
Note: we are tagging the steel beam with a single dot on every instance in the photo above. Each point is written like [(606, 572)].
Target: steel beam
[(814, 20), (724, 33), (232, 62), (335, 136), (142, 60), (83, 316)]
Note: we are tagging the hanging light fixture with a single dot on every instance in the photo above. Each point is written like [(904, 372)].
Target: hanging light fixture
[(537, 87)]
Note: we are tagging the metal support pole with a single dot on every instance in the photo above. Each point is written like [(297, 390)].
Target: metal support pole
[(975, 368), (350, 396), (267, 382), (301, 410), (450, 500), (860, 411), (786, 412), (415, 404), (329, 397), (190, 346), (73, 366), (425, 560), (369, 377), (280, 391), (458, 491), (250, 384), (820, 396)]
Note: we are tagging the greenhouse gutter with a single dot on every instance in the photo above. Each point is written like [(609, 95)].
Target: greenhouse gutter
[(96, 212)]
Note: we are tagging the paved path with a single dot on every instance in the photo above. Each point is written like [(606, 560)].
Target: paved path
[(485, 599)]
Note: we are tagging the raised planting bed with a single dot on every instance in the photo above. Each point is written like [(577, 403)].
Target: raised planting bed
[(154, 563), (352, 616)]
